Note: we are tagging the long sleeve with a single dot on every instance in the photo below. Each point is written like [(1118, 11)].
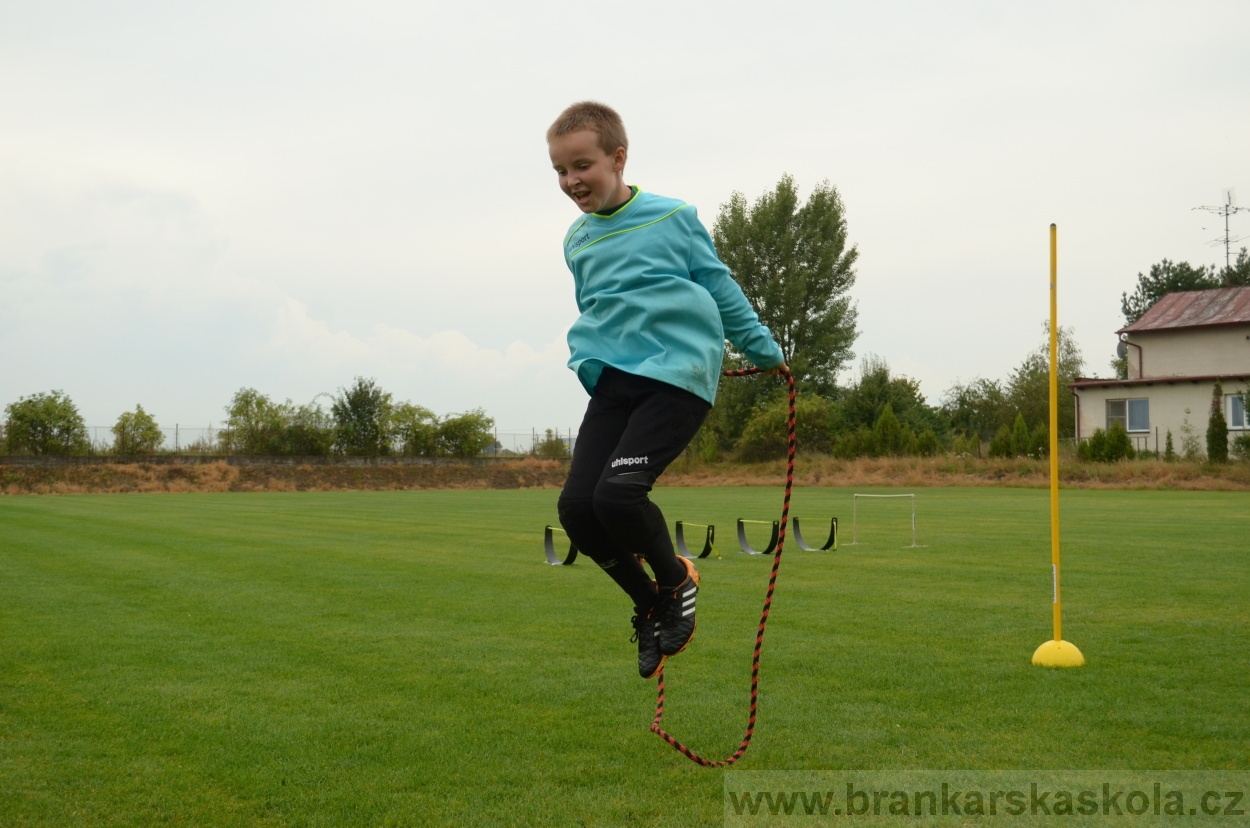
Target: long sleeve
[(742, 324)]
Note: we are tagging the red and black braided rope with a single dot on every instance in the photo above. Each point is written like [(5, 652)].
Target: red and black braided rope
[(768, 602)]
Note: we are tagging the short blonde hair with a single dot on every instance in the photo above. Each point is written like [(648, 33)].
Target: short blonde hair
[(595, 116)]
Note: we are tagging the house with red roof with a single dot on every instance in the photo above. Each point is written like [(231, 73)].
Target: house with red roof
[(1175, 352)]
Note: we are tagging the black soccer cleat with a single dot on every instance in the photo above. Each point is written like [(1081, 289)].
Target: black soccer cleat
[(647, 634), (675, 612)]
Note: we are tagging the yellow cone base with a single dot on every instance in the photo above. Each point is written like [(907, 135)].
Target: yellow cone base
[(1058, 654)]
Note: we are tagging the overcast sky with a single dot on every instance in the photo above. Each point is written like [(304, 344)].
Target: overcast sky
[(197, 198)]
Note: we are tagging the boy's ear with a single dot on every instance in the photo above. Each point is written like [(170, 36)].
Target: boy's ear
[(618, 159)]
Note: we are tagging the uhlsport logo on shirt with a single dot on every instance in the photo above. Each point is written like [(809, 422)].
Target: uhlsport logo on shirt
[(579, 241), (629, 461)]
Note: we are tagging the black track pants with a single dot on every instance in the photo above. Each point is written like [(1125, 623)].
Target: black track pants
[(633, 428)]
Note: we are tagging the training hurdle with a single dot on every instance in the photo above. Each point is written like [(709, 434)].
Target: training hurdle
[(549, 543), (746, 546), (709, 537), (549, 546), (832, 543)]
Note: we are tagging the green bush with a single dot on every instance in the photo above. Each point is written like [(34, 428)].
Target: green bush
[(1095, 448), (1000, 446), (1039, 442), (706, 444), (1217, 427), (765, 436), (1019, 437), (1191, 449), (1107, 446), (1119, 445), (927, 444), (959, 445), (857, 443)]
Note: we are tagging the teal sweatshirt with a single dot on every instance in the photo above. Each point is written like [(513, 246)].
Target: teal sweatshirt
[(655, 300)]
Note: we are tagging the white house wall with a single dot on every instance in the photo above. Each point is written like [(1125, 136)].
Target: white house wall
[(1168, 404), (1187, 353)]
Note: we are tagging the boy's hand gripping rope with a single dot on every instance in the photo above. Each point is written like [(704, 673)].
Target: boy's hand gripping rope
[(768, 600)]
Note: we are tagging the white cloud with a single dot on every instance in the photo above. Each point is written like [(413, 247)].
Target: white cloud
[(298, 336), (443, 370)]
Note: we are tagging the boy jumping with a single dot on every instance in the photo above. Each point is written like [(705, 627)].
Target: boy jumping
[(656, 308)]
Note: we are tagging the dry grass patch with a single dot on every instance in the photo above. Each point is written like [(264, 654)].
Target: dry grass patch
[(888, 472), (125, 478), (532, 473)]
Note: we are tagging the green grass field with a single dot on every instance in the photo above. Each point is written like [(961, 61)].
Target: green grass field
[(407, 659)]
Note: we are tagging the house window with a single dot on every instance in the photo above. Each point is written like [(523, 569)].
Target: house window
[(1115, 413), (1236, 411), (1134, 415)]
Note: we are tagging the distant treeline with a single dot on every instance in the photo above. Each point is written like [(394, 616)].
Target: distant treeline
[(880, 414), (362, 420)]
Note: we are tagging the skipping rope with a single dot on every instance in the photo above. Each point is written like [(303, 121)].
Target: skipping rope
[(768, 601)]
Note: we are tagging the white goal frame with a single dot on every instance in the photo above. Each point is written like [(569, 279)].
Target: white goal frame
[(855, 515)]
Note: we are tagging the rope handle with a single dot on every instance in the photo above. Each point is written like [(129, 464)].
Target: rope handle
[(768, 602)]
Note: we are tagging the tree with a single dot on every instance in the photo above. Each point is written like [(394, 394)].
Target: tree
[(466, 435), (136, 433), (1217, 427), (1166, 277), (794, 265), (552, 446), (889, 435), (254, 424), (362, 418), (978, 408), (877, 387), (1237, 274), (308, 430), (257, 425), (1028, 388), (415, 429), (45, 424)]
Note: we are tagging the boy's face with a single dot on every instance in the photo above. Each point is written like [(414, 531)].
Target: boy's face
[(588, 175)]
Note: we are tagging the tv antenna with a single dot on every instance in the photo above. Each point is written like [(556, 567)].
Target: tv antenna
[(1226, 209)]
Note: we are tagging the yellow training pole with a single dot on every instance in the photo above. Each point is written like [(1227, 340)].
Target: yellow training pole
[(1057, 652)]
